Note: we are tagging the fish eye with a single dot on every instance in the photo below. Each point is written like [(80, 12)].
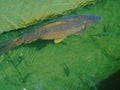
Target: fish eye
[(85, 23)]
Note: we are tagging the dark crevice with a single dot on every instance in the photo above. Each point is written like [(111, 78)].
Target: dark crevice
[(111, 83)]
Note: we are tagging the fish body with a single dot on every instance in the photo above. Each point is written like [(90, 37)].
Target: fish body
[(55, 30)]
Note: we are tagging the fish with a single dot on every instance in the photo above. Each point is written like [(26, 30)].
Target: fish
[(56, 30)]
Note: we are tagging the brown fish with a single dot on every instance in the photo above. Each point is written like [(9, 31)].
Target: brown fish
[(56, 30)]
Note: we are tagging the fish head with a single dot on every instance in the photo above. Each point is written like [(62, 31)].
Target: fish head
[(90, 20)]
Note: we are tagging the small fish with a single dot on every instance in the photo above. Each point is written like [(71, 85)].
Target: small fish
[(56, 30)]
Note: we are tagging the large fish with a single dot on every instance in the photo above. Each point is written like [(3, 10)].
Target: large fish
[(56, 30)]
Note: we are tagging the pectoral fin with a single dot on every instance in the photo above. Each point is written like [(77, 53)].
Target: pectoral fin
[(58, 40)]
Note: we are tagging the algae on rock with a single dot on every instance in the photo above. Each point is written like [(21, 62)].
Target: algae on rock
[(17, 14)]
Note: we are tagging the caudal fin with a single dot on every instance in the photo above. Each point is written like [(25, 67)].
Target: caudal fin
[(24, 38), (10, 44)]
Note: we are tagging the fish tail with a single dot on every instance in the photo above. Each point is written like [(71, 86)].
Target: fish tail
[(10, 44), (25, 38)]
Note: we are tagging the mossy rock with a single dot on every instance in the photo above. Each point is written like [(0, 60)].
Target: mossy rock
[(78, 63), (19, 14)]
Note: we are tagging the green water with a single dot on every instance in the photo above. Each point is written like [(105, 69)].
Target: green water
[(78, 63)]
